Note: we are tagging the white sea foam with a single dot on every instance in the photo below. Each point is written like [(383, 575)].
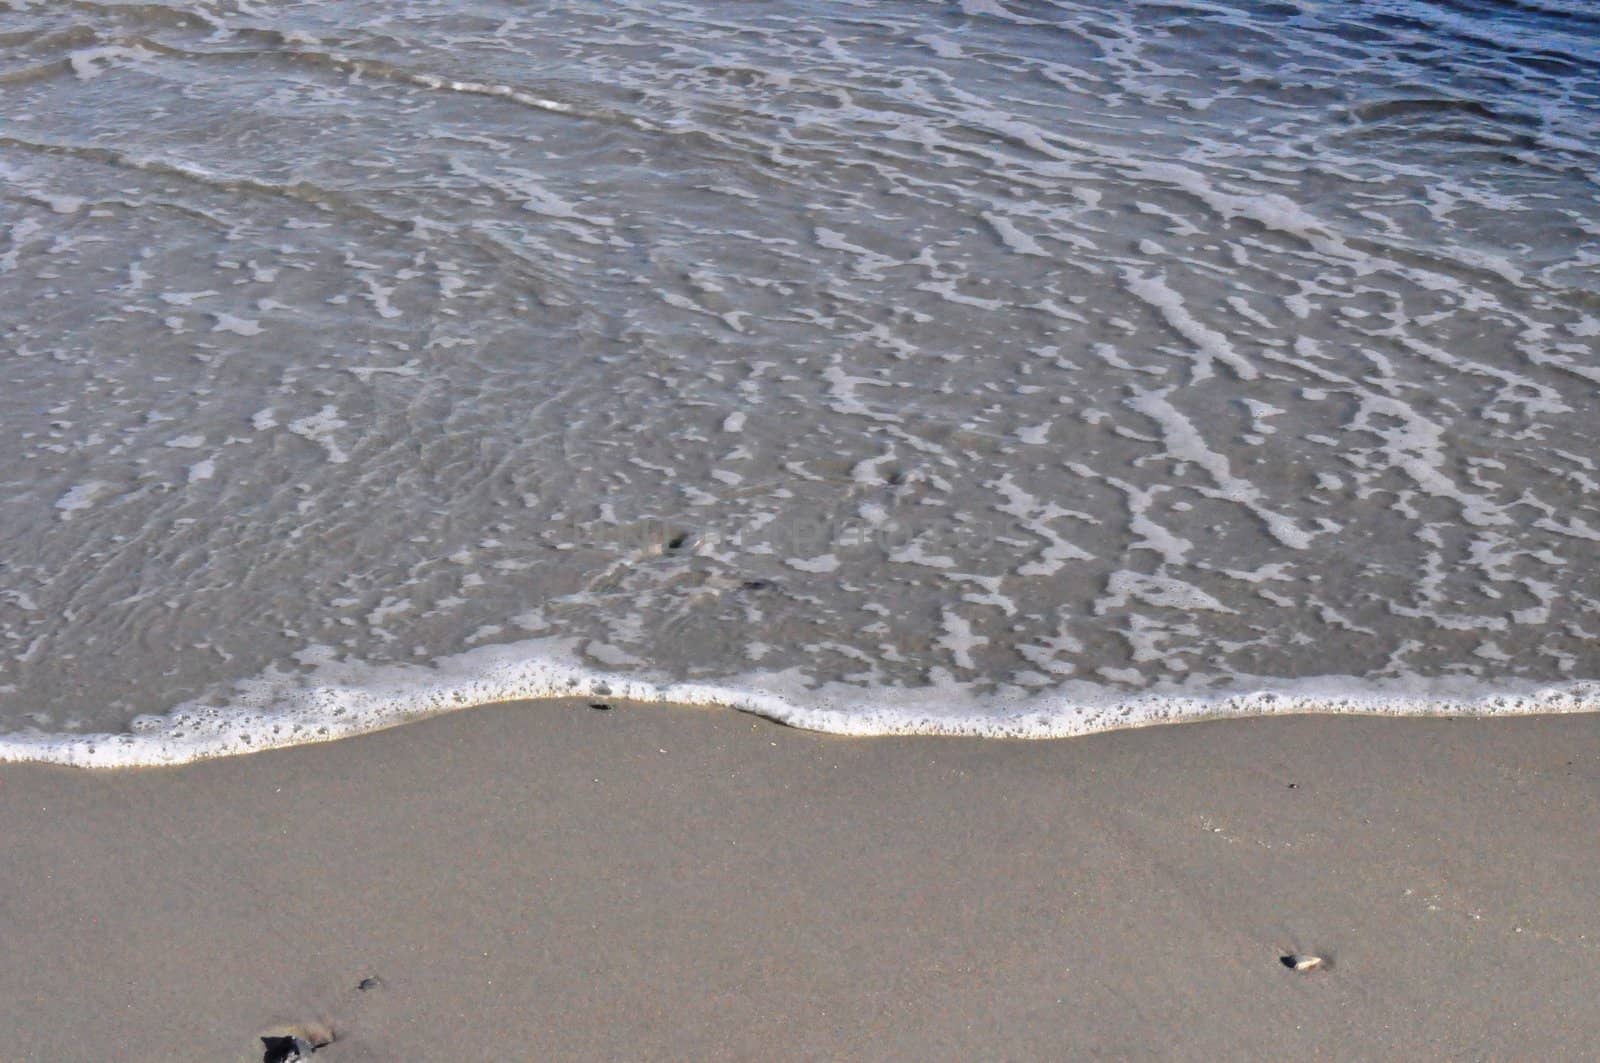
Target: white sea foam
[(339, 700), (80, 497)]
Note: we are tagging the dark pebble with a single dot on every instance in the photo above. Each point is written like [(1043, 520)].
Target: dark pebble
[(285, 1049)]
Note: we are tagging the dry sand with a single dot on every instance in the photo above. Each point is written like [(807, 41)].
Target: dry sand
[(551, 882)]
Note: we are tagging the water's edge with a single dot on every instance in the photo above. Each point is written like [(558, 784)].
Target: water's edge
[(337, 700)]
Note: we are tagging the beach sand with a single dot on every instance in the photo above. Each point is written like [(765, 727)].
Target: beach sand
[(548, 881)]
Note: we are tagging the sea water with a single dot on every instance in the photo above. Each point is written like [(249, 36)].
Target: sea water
[(1008, 367)]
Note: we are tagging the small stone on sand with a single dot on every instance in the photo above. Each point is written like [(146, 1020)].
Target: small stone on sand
[(285, 1049)]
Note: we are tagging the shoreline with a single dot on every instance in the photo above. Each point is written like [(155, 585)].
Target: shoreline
[(339, 700), (551, 881)]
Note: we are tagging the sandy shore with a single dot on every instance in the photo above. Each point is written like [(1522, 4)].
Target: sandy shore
[(553, 882)]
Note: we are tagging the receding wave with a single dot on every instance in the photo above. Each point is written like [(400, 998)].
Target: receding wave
[(997, 368), (333, 700)]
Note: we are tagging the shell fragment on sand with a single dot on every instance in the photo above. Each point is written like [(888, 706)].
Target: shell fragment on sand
[(1303, 963)]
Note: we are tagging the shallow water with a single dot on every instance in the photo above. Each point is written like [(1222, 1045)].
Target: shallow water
[(1002, 366)]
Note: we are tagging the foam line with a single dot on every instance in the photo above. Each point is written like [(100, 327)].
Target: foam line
[(339, 700)]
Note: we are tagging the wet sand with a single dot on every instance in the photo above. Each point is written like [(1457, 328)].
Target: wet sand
[(548, 881)]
